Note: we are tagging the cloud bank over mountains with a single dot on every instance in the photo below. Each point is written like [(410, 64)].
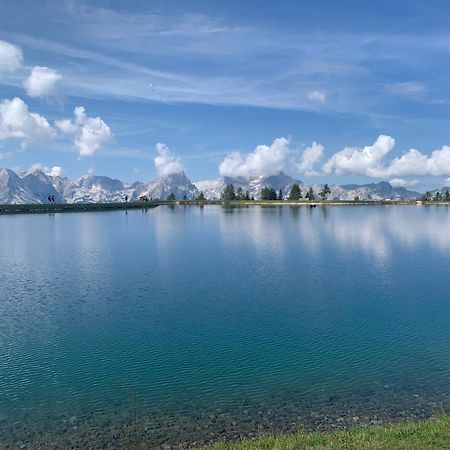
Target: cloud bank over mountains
[(370, 161), (267, 160)]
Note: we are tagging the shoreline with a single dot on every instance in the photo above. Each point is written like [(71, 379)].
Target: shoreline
[(432, 433), (42, 208)]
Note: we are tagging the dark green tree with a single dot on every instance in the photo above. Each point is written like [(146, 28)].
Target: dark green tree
[(240, 193), (295, 193), (357, 198), (268, 193), (426, 197), (310, 194), (228, 193), (247, 195), (325, 192), (280, 195), (447, 196), (437, 197), (171, 197)]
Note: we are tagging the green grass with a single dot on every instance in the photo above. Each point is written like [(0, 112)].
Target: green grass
[(430, 434)]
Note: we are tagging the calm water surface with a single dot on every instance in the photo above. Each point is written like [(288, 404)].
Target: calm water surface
[(184, 325)]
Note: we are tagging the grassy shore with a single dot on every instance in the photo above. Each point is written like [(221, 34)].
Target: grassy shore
[(83, 207), (430, 434)]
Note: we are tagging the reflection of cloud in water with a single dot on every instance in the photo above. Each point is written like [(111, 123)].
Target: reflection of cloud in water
[(375, 229), (261, 227)]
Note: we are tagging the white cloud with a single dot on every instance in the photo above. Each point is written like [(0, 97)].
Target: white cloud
[(371, 161), (400, 182), (310, 157), (90, 133), (269, 160), (42, 82), (10, 57), (447, 182), (16, 122), (166, 162), (317, 96), (366, 161), (55, 171)]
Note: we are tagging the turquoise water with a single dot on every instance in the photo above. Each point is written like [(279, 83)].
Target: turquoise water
[(188, 324)]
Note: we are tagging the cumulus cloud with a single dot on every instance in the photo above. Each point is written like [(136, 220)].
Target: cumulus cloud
[(17, 122), (10, 57), (42, 82), (310, 157), (166, 163), (55, 171), (90, 133), (317, 96), (371, 161), (363, 161), (271, 159), (400, 182)]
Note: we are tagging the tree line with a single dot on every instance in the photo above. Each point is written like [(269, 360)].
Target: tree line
[(437, 197), (229, 193)]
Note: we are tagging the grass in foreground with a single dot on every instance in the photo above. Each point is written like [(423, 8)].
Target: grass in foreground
[(430, 434)]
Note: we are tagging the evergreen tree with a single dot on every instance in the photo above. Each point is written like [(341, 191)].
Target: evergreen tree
[(228, 193), (447, 196), (239, 193), (426, 197), (437, 197), (171, 197), (280, 195), (252, 198), (310, 194), (268, 193), (247, 195), (325, 192), (357, 198), (295, 193)]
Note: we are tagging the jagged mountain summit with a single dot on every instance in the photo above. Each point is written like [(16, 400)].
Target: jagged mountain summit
[(176, 183), (35, 187)]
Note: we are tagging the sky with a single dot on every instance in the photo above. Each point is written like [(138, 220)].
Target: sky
[(338, 92)]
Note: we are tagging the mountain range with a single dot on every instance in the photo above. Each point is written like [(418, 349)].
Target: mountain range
[(35, 186)]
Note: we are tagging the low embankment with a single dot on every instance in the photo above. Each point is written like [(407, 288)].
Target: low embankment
[(430, 434), (74, 207)]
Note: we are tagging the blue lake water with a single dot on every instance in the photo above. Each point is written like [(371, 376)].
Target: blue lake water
[(184, 325)]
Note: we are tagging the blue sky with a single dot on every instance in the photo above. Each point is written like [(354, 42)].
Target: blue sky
[(229, 77)]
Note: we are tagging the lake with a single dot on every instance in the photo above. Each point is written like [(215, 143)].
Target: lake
[(185, 325)]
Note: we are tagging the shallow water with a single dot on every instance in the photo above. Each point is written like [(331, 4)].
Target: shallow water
[(184, 325)]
